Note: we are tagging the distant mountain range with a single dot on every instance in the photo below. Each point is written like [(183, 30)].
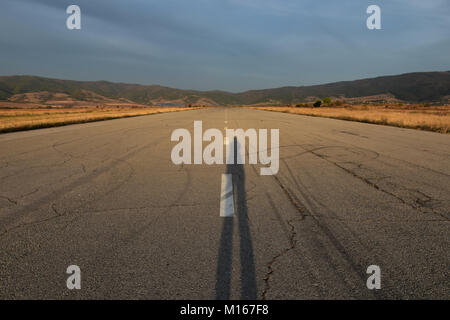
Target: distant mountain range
[(410, 87)]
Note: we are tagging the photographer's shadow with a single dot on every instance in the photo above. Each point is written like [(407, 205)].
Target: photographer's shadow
[(224, 264)]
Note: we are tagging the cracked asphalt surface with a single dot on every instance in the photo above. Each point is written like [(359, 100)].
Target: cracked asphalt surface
[(105, 196)]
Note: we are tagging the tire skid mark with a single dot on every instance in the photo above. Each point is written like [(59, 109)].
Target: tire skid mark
[(328, 232), (356, 267), (419, 206), (313, 150), (129, 241), (26, 210)]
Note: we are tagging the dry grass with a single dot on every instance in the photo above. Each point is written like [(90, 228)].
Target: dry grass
[(424, 118), (26, 119)]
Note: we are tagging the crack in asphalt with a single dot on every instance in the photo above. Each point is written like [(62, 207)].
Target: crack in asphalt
[(15, 201), (181, 205), (68, 157), (420, 203), (20, 225), (291, 198), (296, 203), (270, 270), (23, 211), (9, 199), (292, 240)]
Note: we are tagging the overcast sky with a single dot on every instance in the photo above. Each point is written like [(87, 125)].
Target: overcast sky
[(232, 45)]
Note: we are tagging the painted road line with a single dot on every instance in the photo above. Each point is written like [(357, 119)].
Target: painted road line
[(225, 138), (226, 196), (229, 150)]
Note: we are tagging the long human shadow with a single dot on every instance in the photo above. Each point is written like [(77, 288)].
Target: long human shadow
[(224, 264)]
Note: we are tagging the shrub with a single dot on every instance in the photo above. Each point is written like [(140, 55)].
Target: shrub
[(318, 103), (327, 100)]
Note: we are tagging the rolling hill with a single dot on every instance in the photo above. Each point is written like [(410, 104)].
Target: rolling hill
[(410, 87)]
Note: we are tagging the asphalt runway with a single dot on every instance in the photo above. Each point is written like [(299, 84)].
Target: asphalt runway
[(106, 197)]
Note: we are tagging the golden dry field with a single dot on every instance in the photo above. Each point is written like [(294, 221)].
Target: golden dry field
[(26, 119), (433, 118)]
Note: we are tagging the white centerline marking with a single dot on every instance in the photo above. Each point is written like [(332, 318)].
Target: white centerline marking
[(225, 139), (226, 196)]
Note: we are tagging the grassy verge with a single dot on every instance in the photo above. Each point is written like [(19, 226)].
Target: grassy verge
[(28, 119), (435, 119)]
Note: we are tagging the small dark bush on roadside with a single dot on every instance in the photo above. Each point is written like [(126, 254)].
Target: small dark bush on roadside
[(317, 104)]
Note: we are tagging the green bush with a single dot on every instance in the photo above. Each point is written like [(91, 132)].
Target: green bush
[(318, 103), (327, 101)]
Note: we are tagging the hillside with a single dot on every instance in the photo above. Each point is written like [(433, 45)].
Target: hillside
[(411, 87)]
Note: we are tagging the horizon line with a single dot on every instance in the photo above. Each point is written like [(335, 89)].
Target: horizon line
[(220, 90)]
